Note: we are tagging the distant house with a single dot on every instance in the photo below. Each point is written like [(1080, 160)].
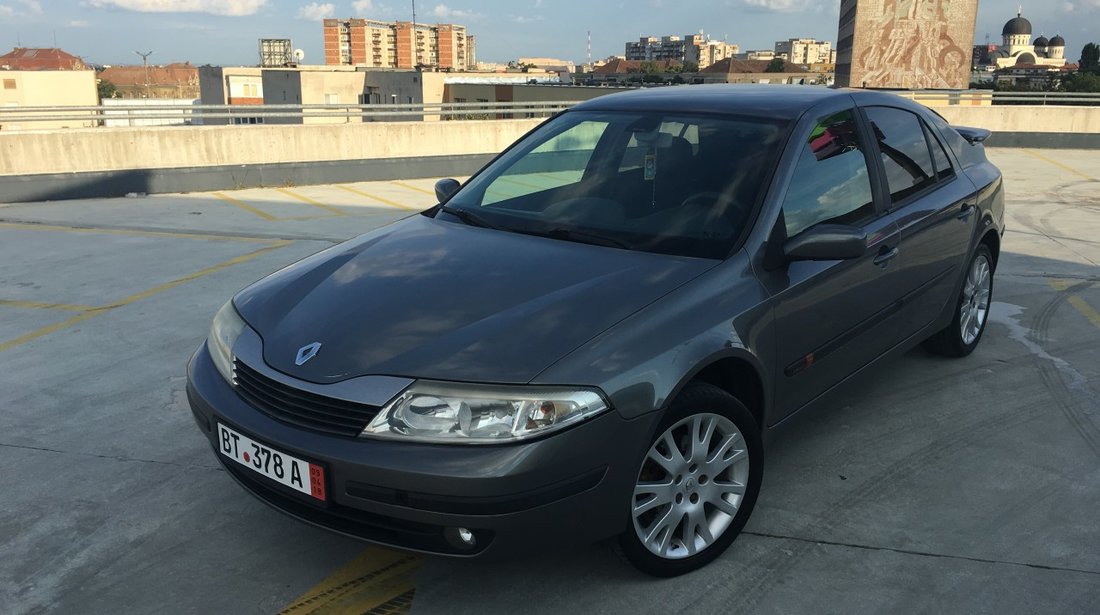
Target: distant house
[(175, 81), (26, 58)]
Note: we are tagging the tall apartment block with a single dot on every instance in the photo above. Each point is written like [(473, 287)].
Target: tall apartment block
[(401, 44), (691, 48)]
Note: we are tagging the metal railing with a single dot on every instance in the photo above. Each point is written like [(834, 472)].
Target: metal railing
[(281, 114), (989, 97), (135, 115)]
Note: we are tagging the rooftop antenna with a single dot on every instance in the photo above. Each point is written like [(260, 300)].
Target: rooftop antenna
[(1020, 10), (55, 39), (589, 47)]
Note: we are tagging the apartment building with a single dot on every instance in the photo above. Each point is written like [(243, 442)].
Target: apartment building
[(695, 48), (401, 44), (805, 51)]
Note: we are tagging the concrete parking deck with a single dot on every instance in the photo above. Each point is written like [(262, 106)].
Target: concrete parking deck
[(934, 485)]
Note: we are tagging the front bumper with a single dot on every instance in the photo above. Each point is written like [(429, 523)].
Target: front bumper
[(572, 487)]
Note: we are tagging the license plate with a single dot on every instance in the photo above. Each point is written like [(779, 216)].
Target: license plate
[(300, 475)]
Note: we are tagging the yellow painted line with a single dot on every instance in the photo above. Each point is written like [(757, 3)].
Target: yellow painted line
[(374, 578), (375, 197), (30, 226), (95, 311), (414, 188), (308, 201), (35, 305), (194, 276), (1061, 165), (239, 204), (1086, 310), (1061, 284)]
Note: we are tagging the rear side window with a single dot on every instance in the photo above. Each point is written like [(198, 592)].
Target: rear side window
[(831, 183), (939, 156), (905, 152)]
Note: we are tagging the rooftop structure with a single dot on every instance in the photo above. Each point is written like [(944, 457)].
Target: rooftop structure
[(27, 58)]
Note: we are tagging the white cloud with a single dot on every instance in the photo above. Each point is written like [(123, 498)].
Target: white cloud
[(33, 6), (214, 7), (443, 11), (363, 6), (77, 23), (316, 12), (779, 6), (6, 11)]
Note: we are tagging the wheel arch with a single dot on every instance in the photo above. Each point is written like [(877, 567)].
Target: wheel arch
[(739, 375), (992, 240)]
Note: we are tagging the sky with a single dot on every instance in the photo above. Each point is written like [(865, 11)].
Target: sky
[(226, 32)]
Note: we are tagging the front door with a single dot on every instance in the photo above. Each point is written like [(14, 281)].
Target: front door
[(833, 317)]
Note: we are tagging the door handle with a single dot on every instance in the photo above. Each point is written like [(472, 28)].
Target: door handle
[(885, 256), (967, 211)]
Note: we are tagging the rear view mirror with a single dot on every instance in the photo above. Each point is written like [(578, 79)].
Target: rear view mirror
[(445, 189), (827, 242)]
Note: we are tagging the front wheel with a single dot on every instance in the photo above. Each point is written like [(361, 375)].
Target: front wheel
[(961, 337), (697, 484)]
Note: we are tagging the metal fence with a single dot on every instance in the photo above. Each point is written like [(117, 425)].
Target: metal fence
[(279, 114), (183, 114), (989, 97)]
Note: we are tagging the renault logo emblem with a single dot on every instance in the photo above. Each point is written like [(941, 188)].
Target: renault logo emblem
[(305, 353)]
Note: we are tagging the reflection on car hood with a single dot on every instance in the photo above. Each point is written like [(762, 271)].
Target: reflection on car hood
[(431, 299)]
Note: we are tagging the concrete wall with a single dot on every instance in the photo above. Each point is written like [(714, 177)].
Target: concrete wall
[(46, 88), (1009, 119), (84, 150)]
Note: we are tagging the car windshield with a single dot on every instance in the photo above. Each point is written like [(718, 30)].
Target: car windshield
[(674, 184)]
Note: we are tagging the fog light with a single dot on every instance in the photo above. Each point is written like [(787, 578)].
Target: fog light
[(461, 538)]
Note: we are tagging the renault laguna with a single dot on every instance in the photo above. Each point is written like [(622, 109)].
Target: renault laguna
[(598, 334)]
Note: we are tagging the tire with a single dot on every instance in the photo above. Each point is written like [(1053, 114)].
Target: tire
[(713, 490), (962, 336)]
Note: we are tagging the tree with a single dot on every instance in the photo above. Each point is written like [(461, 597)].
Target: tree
[(690, 67), (649, 68), (1090, 59), (1082, 82), (778, 65), (106, 89)]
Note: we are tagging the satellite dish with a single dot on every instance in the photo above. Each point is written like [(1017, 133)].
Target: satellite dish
[(299, 55)]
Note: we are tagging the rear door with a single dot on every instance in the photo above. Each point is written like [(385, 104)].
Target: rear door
[(832, 317), (934, 207)]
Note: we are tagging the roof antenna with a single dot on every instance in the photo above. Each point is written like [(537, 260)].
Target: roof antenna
[(1020, 10)]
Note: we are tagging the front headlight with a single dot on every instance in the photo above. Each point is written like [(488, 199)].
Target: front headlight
[(224, 331), (481, 414)]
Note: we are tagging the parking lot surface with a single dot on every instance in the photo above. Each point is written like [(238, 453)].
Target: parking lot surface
[(930, 485)]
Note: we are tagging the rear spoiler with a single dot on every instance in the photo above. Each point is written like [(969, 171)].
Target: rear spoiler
[(973, 136)]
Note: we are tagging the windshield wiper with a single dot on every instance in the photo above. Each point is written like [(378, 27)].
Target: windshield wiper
[(468, 218), (586, 237)]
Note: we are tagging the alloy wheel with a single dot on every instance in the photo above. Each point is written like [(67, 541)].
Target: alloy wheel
[(975, 301), (690, 486)]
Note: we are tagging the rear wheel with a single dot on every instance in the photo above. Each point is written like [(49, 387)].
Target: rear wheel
[(961, 337), (697, 484)]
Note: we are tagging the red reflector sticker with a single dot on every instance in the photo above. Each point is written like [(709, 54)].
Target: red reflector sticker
[(317, 481)]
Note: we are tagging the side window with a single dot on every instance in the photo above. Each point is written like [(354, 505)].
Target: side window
[(939, 155), (905, 152), (561, 161), (831, 183)]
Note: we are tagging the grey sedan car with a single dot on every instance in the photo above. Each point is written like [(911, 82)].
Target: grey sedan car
[(597, 335)]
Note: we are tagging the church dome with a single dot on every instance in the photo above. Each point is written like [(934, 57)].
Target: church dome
[(1057, 41), (1017, 26), (1042, 42), (1026, 58)]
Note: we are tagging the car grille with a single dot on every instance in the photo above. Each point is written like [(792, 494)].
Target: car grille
[(301, 408)]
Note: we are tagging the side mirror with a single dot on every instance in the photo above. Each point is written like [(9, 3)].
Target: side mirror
[(445, 189), (827, 242)]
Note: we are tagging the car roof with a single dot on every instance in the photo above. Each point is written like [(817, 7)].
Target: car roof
[(782, 102), (787, 102)]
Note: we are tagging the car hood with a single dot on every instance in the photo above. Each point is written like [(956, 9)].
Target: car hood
[(431, 299)]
